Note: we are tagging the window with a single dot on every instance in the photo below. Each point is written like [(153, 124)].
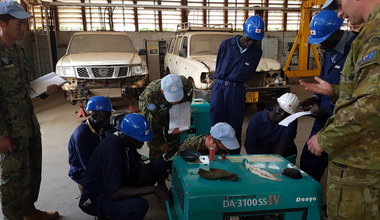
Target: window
[(184, 43), (177, 45), (37, 22), (70, 18), (195, 16), (121, 18), (236, 17), (170, 17), (171, 45), (293, 18)]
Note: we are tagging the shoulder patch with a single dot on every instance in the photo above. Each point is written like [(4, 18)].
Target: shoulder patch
[(368, 58), (151, 107), (6, 60)]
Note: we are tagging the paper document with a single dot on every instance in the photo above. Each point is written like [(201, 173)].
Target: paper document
[(39, 85), (293, 117), (179, 117)]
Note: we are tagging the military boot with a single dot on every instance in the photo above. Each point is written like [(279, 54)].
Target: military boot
[(35, 214)]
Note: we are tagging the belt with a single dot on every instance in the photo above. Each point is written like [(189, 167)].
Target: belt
[(229, 83)]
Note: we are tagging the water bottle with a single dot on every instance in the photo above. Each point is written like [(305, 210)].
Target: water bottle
[(212, 153), (277, 82)]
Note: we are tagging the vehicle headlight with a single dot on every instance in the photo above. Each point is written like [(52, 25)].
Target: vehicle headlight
[(65, 71), (138, 70)]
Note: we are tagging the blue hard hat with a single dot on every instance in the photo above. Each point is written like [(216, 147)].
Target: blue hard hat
[(254, 27), (136, 126), (99, 103), (323, 25)]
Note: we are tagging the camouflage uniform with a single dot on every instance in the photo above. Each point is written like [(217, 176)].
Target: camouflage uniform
[(351, 136), (20, 169), (195, 143), (155, 108)]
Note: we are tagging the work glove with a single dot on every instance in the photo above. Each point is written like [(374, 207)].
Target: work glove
[(214, 174), (307, 103)]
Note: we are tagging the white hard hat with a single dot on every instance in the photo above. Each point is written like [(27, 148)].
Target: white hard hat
[(288, 102)]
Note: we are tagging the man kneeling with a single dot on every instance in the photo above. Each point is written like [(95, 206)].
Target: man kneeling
[(116, 177)]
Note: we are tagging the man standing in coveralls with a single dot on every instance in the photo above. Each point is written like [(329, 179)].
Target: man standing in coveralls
[(237, 60), (325, 30), (351, 135)]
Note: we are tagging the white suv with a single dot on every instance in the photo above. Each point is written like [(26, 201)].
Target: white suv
[(192, 52), (101, 63)]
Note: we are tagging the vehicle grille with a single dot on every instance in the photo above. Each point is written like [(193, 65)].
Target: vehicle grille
[(82, 72), (123, 71), (103, 72)]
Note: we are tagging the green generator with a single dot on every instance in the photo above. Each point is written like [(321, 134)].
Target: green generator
[(200, 119), (280, 197)]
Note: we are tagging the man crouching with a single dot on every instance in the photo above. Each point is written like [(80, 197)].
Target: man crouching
[(116, 177)]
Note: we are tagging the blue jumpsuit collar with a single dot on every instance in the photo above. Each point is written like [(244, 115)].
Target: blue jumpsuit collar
[(242, 50), (90, 127)]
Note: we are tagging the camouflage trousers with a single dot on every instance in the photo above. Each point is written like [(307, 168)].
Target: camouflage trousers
[(20, 177), (352, 193)]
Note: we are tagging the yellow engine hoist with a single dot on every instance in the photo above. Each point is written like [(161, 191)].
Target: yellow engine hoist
[(301, 41)]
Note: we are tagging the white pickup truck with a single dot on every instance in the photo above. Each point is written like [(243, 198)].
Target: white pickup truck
[(101, 63), (192, 52)]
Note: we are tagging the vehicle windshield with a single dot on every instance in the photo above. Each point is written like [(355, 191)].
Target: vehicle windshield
[(96, 43), (205, 44)]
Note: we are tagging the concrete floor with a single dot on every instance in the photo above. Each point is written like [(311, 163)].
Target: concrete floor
[(58, 120)]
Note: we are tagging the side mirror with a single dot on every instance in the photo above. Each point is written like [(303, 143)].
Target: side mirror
[(142, 52), (183, 53)]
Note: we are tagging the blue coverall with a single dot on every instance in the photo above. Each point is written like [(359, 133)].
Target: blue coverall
[(112, 166), (81, 145), (331, 70), (264, 136), (233, 70)]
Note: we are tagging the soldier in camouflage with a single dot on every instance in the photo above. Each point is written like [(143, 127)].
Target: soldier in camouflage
[(20, 137), (155, 102), (351, 136), (221, 139)]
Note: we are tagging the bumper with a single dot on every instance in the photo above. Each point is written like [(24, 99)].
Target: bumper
[(81, 89)]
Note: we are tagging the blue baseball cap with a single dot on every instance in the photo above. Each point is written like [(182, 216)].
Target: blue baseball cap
[(172, 87), (226, 134), (14, 9)]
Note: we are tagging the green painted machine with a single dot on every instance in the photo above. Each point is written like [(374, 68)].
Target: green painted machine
[(200, 119), (196, 198)]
